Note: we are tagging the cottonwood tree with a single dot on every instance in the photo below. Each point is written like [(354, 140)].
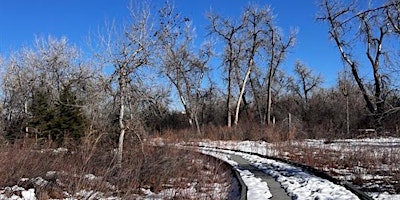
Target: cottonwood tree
[(248, 43), (371, 30), (185, 69), (253, 20), (275, 48), (303, 85), (230, 32), (127, 49)]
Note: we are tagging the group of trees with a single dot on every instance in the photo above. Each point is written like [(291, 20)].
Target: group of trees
[(39, 88), (254, 48), (56, 92), (373, 30)]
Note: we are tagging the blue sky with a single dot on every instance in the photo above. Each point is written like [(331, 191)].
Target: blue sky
[(22, 20)]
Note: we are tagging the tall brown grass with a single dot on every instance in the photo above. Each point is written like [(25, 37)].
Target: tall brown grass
[(243, 131), (350, 163), (93, 169)]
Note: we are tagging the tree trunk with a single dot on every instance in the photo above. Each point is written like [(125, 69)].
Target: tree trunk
[(269, 103), (122, 127), (135, 129), (258, 102), (269, 106), (242, 92), (121, 134), (26, 113), (196, 122), (347, 117), (229, 99)]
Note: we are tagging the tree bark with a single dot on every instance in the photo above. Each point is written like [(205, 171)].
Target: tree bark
[(242, 92), (122, 127), (229, 98)]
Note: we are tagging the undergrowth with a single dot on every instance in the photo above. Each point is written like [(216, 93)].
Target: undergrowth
[(61, 173), (372, 169)]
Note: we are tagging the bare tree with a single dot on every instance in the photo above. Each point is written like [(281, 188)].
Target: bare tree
[(127, 50), (275, 48), (51, 66), (254, 20), (352, 99), (247, 44), (393, 14), (231, 34), (353, 28), (18, 82), (184, 69), (304, 85)]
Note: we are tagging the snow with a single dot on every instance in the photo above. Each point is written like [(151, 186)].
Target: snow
[(388, 148), (386, 196), (349, 144), (256, 189), (260, 147), (25, 194), (191, 192), (92, 195), (28, 194), (90, 176), (298, 184)]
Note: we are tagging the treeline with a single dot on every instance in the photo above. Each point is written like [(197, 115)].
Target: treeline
[(126, 87)]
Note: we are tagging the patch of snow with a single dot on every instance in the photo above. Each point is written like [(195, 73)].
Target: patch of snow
[(90, 177), (260, 147), (51, 173), (60, 150), (28, 194), (14, 190), (191, 192), (257, 189), (92, 195), (40, 181), (384, 196)]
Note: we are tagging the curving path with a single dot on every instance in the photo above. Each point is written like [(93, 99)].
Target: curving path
[(271, 179)]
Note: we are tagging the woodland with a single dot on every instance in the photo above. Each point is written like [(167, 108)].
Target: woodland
[(55, 94)]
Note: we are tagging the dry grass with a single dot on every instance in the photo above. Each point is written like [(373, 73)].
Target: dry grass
[(244, 131), (370, 168), (52, 172)]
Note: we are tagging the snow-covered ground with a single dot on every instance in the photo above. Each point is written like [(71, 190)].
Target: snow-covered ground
[(381, 149), (297, 183)]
